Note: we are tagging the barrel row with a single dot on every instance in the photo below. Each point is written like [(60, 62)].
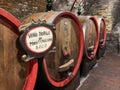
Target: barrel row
[(78, 38), (94, 30)]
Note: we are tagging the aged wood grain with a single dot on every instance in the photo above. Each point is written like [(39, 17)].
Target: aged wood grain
[(12, 69)]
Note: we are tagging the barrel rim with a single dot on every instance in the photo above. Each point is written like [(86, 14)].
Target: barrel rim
[(97, 38), (81, 43), (32, 75), (13, 21)]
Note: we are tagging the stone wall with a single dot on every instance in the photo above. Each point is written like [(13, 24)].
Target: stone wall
[(106, 8), (23, 8), (113, 43), (102, 8), (109, 9)]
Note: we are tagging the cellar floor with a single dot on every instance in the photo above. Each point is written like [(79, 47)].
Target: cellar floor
[(104, 76)]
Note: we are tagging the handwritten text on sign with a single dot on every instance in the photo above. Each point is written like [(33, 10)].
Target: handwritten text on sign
[(39, 39)]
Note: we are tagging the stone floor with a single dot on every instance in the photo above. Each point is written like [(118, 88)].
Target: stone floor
[(105, 75)]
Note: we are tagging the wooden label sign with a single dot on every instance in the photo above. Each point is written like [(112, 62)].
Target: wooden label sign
[(37, 40)]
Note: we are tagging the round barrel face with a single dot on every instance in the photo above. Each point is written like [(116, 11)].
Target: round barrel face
[(12, 69), (102, 36), (90, 37), (62, 62), (62, 59)]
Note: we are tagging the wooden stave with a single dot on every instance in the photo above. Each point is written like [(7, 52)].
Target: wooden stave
[(6, 21)]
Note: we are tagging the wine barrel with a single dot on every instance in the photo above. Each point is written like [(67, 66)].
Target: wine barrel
[(91, 40), (102, 31), (102, 40), (91, 35), (13, 72), (62, 63)]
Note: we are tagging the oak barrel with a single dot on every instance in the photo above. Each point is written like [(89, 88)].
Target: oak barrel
[(13, 71), (91, 35), (91, 41), (102, 31), (102, 40), (62, 63)]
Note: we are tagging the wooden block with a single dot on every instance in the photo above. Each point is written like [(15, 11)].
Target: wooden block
[(101, 41), (91, 48), (66, 66)]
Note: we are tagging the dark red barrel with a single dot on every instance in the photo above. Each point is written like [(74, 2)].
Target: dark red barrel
[(62, 63)]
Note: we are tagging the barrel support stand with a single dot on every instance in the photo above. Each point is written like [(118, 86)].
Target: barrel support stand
[(86, 66), (43, 84), (100, 52)]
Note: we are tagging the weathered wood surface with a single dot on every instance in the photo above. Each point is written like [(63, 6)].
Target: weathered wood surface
[(12, 70), (23, 8)]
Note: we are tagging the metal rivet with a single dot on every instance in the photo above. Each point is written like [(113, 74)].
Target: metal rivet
[(24, 57)]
